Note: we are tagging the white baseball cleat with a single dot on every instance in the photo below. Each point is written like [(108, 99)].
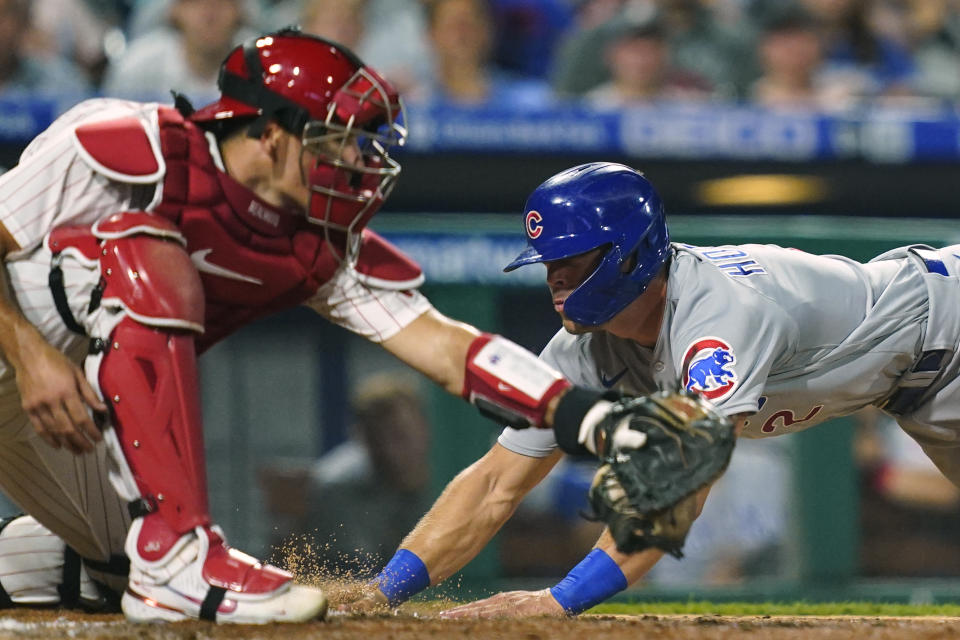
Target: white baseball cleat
[(197, 576)]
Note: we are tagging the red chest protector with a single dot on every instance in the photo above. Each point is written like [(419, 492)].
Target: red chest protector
[(253, 259)]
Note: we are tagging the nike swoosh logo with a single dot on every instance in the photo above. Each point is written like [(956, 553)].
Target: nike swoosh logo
[(199, 259), (609, 382)]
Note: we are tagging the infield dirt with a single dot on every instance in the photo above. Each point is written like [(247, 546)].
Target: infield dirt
[(413, 624)]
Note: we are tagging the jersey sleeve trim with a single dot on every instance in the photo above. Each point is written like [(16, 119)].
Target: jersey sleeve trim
[(533, 443)]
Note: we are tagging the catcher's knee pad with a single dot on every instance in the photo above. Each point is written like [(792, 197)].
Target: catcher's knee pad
[(146, 270)]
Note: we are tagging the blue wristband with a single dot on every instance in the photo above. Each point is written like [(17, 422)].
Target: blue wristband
[(404, 576), (595, 579)]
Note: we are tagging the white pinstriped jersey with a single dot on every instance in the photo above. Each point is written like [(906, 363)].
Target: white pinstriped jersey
[(790, 338), (53, 186)]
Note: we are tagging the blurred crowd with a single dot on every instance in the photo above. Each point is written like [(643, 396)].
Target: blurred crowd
[(813, 54)]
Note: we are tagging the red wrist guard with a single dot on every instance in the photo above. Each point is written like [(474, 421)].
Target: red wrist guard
[(508, 383)]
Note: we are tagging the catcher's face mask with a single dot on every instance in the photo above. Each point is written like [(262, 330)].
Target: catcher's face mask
[(347, 117), (354, 172)]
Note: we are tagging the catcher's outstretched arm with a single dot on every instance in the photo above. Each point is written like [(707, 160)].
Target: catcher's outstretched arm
[(505, 381)]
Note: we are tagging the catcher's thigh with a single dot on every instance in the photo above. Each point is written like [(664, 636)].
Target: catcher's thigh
[(71, 495)]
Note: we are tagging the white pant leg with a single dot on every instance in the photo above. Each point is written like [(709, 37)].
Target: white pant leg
[(70, 495)]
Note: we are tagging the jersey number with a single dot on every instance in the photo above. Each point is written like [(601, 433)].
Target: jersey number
[(788, 417)]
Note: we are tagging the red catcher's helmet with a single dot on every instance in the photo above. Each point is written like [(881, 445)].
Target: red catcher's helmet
[(322, 92)]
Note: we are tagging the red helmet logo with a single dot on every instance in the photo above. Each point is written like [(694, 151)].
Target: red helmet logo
[(534, 228)]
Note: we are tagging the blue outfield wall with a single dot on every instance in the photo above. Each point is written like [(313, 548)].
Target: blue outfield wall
[(720, 131), (693, 131)]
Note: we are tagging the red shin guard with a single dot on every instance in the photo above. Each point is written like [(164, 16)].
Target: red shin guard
[(149, 377)]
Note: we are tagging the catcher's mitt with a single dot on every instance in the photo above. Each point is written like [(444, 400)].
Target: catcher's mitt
[(647, 495)]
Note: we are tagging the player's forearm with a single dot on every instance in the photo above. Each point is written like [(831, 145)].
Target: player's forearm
[(505, 381), (601, 574), (462, 521), (634, 565), (436, 346), (19, 340), (637, 565), (606, 571), (464, 518)]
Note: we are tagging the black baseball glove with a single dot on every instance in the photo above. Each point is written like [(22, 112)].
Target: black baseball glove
[(647, 495)]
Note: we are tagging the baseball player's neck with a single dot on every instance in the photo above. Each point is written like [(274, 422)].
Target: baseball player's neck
[(640, 320)]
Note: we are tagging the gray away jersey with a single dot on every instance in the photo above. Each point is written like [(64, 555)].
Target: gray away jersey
[(791, 338)]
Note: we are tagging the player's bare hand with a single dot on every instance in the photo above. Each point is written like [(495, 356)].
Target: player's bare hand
[(510, 604), (363, 599), (56, 395)]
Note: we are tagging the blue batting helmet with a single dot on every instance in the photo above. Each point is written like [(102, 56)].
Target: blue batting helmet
[(596, 205)]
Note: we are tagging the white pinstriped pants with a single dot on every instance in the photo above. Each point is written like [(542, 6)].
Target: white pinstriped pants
[(71, 495)]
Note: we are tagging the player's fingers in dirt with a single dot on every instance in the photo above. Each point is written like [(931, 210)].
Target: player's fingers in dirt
[(368, 600), (511, 604)]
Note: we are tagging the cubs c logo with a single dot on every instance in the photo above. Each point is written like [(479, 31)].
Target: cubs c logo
[(708, 368), (534, 228)]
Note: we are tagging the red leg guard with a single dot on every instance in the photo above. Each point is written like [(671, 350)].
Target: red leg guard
[(149, 377)]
